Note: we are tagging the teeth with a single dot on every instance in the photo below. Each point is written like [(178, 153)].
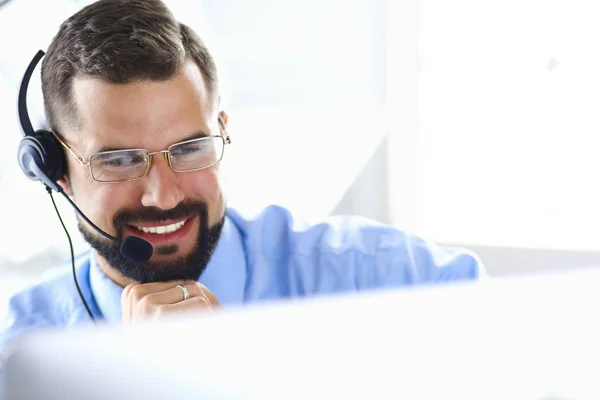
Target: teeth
[(161, 230)]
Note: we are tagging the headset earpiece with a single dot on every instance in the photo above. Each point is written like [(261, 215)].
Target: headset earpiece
[(44, 150), (40, 155)]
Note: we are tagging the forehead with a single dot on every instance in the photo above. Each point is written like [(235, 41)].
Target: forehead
[(145, 114)]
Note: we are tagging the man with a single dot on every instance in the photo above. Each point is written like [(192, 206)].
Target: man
[(133, 98)]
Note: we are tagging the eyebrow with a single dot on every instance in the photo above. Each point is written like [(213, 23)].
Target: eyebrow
[(195, 135)]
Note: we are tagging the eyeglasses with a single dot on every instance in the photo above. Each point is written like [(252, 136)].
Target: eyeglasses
[(127, 165)]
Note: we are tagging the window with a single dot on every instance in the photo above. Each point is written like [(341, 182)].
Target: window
[(507, 128)]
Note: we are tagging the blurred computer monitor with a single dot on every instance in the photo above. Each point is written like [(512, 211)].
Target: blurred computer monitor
[(530, 338)]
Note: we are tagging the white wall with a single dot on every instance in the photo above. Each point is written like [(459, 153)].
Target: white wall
[(507, 123)]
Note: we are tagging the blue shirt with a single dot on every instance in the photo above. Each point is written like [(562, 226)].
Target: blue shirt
[(268, 257)]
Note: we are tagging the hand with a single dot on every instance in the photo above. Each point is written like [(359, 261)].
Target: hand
[(153, 300)]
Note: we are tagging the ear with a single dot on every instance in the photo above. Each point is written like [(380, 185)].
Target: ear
[(223, 119), (65, 184)]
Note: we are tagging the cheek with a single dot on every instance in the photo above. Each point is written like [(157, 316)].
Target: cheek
[(100, 202), (206, 186)]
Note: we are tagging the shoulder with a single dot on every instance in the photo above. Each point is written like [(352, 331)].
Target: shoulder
[(383, 249), (52, 302), (37, 307), (276, 231)]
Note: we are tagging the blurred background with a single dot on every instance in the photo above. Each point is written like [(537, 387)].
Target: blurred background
[(470, 122)]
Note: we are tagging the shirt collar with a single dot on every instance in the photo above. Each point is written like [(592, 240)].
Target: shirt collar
[(106, 292), (225, 275)]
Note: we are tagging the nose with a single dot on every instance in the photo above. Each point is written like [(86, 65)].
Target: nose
[(162, 188)]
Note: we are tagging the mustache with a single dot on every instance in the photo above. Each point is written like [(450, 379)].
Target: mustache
[(153, 214)]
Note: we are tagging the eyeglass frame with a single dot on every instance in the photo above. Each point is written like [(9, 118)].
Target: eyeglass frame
[(226, 141)]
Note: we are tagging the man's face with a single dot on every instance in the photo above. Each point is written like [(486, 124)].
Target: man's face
[(190, 206)]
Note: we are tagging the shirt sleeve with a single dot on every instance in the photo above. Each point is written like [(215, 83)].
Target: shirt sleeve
[(25, 314), (288, 256), (391, 257), (428, 262)]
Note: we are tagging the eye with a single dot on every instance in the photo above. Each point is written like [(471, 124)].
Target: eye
[(122, 159), (189, 148), (185, 149)]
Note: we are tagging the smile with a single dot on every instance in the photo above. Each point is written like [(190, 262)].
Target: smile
[(162, 229)]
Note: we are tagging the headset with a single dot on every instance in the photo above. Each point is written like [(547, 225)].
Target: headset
[(40, 155), (42, 158)]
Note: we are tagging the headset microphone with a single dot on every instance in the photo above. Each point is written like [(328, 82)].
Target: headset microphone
[(134, 248), (42, 159)]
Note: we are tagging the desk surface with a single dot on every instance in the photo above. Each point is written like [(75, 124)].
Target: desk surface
[(519, 338)]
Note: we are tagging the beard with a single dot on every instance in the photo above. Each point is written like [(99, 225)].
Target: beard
[(187, 267)]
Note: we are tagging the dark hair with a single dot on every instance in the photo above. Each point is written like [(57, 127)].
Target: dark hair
[(119, 41)]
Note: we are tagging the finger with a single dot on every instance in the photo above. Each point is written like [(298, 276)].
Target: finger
[(126, 302), (199, 290), (175, 295), (210, 295), (201, 293), (137, 291), (194, 303)]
